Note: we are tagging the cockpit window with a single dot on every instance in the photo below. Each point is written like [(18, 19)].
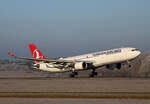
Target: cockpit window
[(134, 50)]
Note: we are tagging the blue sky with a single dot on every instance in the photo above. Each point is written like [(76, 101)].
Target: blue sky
[(72, 27)]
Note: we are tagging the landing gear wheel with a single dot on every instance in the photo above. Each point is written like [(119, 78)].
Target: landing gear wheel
[(75, 73), (72, 75), (93, 74), (129, 66)]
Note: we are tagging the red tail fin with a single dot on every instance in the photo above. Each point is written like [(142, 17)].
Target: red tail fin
[(35, 52)]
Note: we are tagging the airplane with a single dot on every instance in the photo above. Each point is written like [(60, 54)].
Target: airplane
[(109, 58)]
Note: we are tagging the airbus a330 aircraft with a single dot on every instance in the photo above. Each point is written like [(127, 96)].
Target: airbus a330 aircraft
[(109, 58)]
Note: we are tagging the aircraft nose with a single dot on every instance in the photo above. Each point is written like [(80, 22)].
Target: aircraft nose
[(138, 53)]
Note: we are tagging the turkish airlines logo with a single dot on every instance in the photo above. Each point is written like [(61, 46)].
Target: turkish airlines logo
[(36, 54)]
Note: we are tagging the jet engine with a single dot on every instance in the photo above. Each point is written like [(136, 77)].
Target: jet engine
[(81, 65), (36, 66)]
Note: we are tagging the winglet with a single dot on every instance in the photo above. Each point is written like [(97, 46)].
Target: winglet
[(11, 55)]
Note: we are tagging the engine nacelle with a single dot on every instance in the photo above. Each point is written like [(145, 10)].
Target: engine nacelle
[(80, 65), (36, 66)]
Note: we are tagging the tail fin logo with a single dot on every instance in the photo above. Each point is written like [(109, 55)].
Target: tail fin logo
[(36, 54)]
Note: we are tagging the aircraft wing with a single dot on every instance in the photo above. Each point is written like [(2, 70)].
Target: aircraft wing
[(47, 60)]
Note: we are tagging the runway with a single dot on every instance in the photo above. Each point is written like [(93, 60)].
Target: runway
[(74, 90), (133, 88)]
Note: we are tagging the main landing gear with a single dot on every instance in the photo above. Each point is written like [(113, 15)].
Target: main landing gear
[(73, 74), (93, 74)]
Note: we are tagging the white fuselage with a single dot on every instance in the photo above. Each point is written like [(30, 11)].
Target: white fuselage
[(98, 59)]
